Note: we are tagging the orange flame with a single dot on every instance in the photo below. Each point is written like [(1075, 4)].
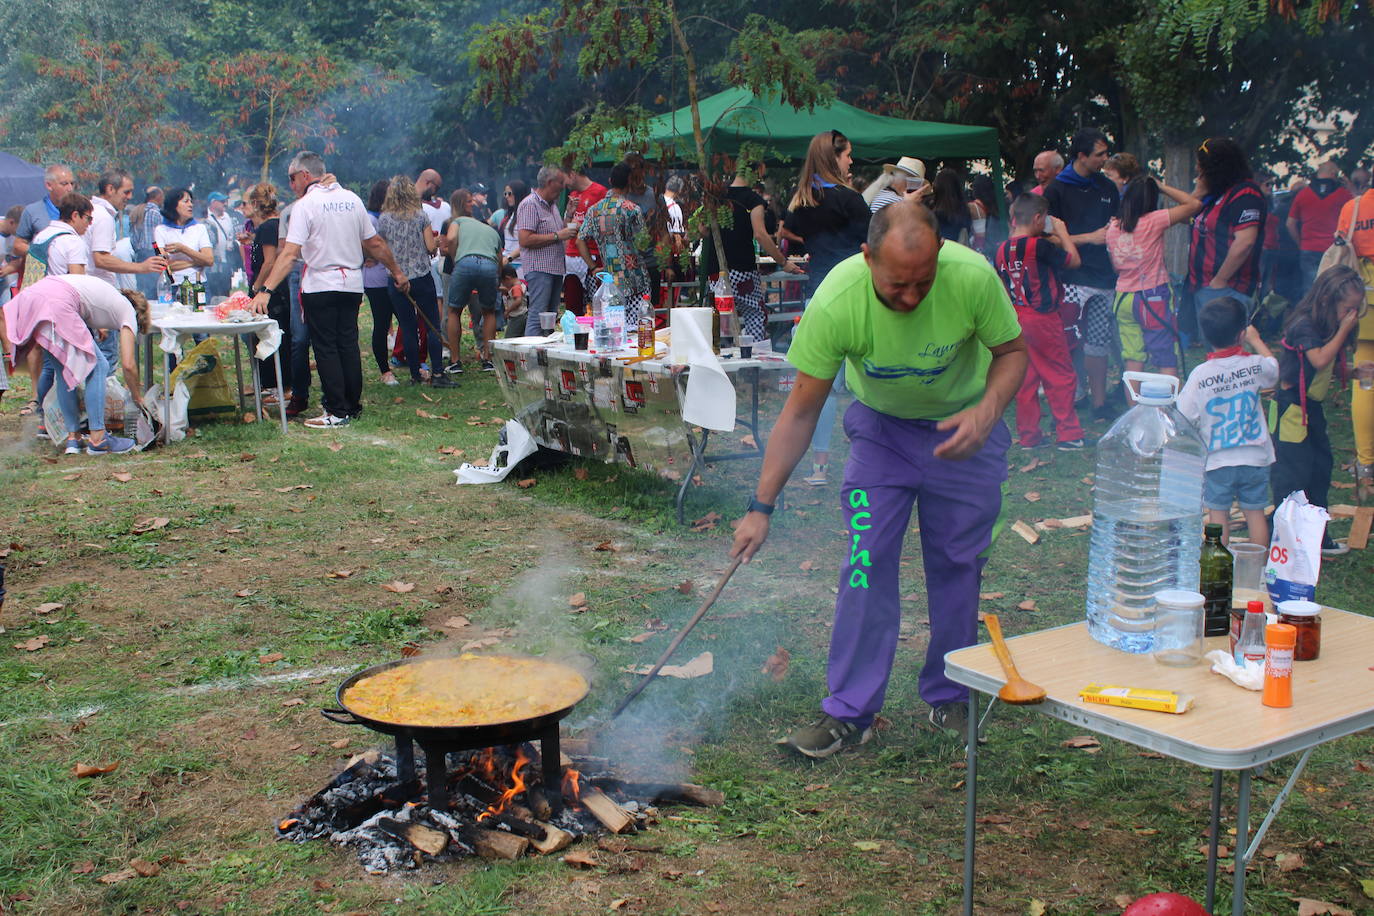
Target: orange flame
[(572, 783), (517, 786)]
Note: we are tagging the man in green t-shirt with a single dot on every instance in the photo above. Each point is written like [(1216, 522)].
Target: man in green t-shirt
[(934, 354)]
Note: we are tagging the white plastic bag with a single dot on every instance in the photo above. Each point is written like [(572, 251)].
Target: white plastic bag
[(181, 401), (518, 446), (1295, 551)]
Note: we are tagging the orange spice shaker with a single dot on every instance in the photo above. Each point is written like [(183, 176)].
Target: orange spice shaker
[(1279, 640)]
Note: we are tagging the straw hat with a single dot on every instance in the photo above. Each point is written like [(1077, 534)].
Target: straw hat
[(911, 166)]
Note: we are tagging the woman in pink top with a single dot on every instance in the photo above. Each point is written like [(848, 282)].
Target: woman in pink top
[(1135, 241)]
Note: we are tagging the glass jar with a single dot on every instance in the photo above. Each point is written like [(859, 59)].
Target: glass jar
[(1306, 617), (1178, 626)]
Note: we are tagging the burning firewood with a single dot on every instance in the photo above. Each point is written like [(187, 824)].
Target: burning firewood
[(554, 840), (498, 844), (425, 839), (613, 817)]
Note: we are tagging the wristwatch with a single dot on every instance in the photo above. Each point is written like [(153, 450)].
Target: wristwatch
[(756, 506)]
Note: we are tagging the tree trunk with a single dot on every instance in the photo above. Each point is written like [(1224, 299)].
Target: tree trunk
[(1178, 171), (712, 220)]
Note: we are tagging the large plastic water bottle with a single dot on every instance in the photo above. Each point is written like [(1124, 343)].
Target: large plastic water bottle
[(604, 297), (1147, 515)]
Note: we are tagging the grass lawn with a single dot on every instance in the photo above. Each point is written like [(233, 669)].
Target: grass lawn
[(195, 654)]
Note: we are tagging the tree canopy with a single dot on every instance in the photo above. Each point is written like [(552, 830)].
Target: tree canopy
[(165, 88)]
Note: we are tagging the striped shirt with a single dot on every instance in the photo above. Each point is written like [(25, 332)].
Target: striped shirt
[(537, 215), (1214, 231), (1029, 270)]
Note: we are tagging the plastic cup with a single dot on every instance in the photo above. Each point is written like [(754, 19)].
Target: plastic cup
[(1365, 373), (1247, 576), (746, 346), (580, 339), (547, 320), (1179, 622)]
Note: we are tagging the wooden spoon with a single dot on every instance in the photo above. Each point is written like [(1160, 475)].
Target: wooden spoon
[(1017, 690)]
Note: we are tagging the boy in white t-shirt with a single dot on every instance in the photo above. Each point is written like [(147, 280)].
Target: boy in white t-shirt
[(1222, 397)]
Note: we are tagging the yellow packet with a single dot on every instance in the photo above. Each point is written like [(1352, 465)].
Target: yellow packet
[(1137, 698)]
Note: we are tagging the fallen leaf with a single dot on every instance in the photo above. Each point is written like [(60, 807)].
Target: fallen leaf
[(1123, 900), (991, 596), (71, 476), (815, 786), (1082, 741), (247, 456), (294, 701), (86, 770), (642, 637), (994, 819), (122, 477), (747, 441), (49, 607), (145, 868), (580, 473), (1032, 497), (580, 860), (428, 398), (456, 623), (777, 663), (299, 486), (33, 645), (1289, 861), (607, 546), (270, 658), (686, 586), (867, 845), (399, 587), (1036, 908), (806, 565), (1310, 907), (114, 877), (143, 526), (526, 483), (578, 600), (339, 574), (335, 446), (83, 868), (340, 744), (706, 522), (1027, 605), (244, 592), (398, 400)]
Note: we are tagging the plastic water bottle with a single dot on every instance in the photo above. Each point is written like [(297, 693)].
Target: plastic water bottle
[(1147, 515), (602, 300)]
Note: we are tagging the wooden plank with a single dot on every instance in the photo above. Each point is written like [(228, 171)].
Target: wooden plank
[(1342, 510), (613, 817), (1359, 528), (1030, 535), (426, 839)]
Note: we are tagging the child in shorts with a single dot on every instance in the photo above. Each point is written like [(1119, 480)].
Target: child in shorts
[(1222, 397)]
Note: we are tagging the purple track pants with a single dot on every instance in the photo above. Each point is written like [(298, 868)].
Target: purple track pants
[(891, 467)]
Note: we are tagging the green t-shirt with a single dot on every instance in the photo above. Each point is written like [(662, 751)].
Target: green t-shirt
[(927, 364)]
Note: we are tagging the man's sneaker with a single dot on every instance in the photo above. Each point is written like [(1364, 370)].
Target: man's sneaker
[(488, 366), (73, 447), (1073, 445), (110, 445), (950, 718), (327, 421), (295, 408), (42, 432), (454, 368), (818, 476), (826, 736), (443, 381), (1106, 413)]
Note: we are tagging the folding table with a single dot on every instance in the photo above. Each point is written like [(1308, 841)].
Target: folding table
[(1227, 729)]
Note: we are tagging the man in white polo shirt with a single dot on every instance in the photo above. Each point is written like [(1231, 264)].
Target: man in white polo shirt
[(112, 196), (330, 229)]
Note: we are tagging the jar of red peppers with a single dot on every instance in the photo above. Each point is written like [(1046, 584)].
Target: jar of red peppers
[(1306, 617)]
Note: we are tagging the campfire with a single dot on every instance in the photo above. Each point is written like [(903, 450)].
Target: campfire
[(490, 802)]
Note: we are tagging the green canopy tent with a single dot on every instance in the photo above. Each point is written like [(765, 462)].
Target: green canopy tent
[(736, 116)]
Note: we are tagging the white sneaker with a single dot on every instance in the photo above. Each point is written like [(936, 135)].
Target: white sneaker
[(818, 476), (327, 421)]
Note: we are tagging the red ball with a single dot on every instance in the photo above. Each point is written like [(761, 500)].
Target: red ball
[(1165, 905)]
